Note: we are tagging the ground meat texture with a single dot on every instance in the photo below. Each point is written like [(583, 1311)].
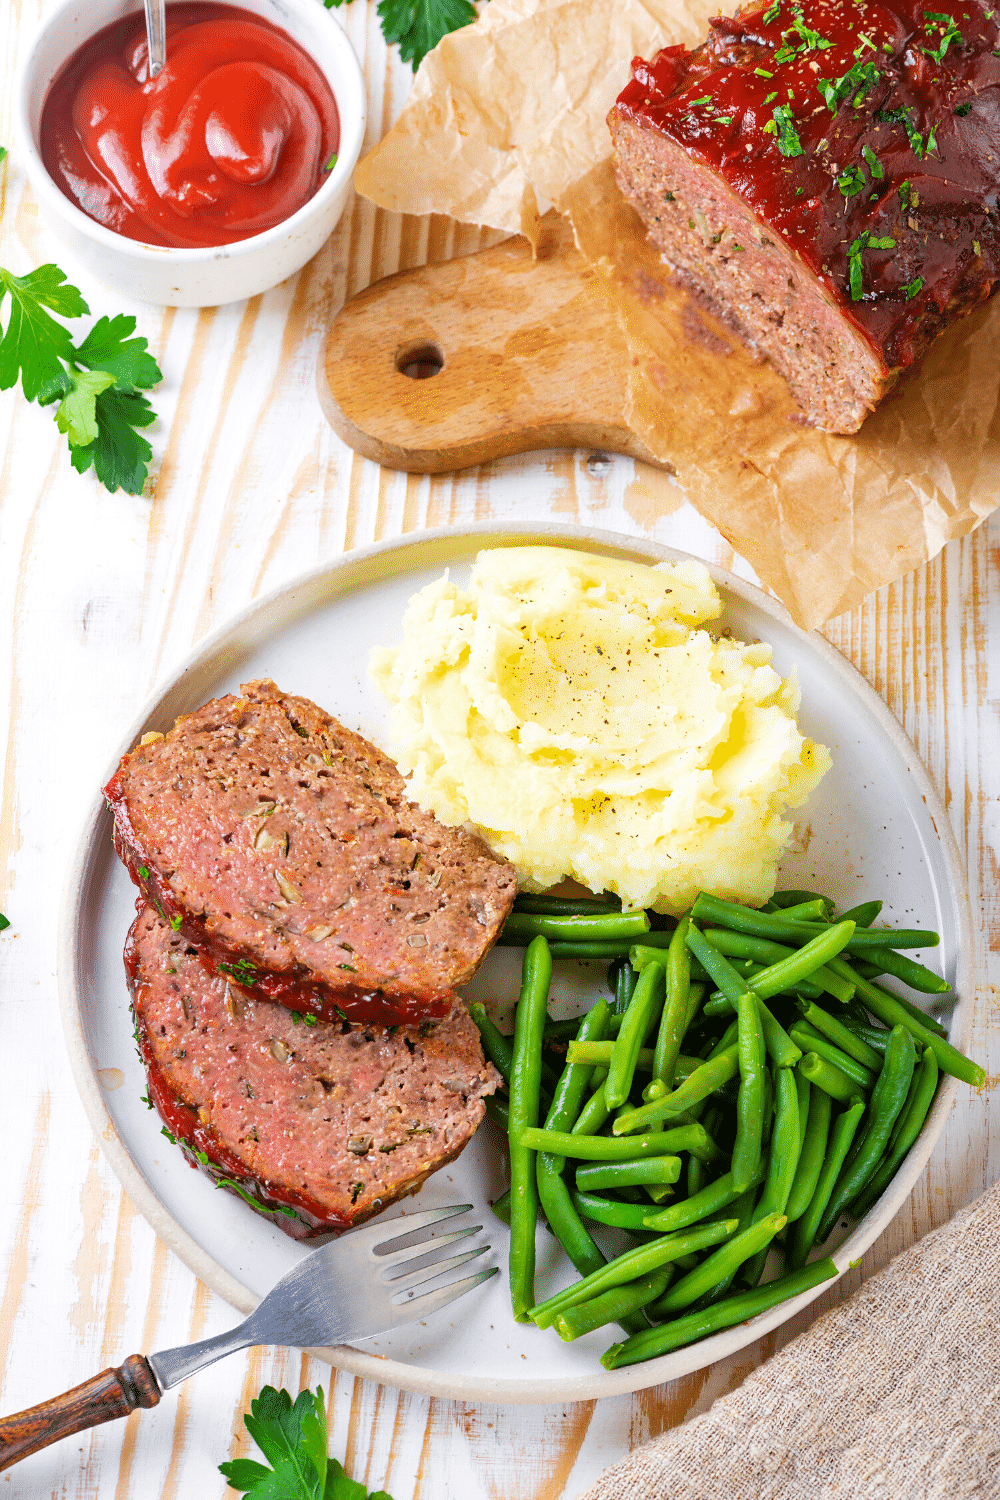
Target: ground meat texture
[(826, 174), (320, 1126), (283, 846)]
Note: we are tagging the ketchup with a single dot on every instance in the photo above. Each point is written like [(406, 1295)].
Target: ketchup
[(234, 134)]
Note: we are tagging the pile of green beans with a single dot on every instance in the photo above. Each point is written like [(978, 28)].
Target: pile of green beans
[(746, 1085)]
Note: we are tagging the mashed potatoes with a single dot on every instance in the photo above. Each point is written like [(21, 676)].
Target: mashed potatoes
[(568, 709)]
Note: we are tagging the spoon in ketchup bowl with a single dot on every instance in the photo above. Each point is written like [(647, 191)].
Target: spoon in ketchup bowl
[(156, 34)]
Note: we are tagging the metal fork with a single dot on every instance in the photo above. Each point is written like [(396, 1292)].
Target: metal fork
[(344, 1291)]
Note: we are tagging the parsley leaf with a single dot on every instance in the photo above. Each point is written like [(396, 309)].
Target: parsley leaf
[(293, 1439), (865, 241), (34, 345), (96, 384), (4, 921), (418, 25), (788, 142)]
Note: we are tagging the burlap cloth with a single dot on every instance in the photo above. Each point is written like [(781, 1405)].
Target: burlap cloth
[(894, 1395)]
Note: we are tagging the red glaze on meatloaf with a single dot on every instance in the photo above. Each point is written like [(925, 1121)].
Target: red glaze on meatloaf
[(319, 1126), (283, 846), (826, 173)]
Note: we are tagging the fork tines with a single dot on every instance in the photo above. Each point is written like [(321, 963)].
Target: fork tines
[(422, 1266)]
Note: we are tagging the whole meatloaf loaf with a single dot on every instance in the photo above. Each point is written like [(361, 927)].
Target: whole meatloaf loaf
[(825, 172), (318, 1127), (283, 846)]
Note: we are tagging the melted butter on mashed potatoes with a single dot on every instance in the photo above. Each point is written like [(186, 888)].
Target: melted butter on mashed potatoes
[(567, 708)]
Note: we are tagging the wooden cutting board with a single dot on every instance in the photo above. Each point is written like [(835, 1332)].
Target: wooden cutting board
[(472, 359)]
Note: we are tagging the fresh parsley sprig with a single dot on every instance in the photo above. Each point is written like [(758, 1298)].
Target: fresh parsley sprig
[(418, 25), (97, 383), (293, 1439)]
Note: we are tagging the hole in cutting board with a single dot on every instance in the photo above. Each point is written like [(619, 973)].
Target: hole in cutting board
[(420, 362)]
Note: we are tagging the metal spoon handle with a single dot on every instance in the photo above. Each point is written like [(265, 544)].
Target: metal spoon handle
[(156, 33)]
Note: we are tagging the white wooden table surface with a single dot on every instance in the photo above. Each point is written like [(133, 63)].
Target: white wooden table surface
[(99, 596)]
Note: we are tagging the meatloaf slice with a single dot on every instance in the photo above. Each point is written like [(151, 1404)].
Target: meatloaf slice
[(283, 846), (319, 1126), (825, 173)]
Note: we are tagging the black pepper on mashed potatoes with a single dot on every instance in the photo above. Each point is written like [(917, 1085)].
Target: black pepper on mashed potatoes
[(569, 708)]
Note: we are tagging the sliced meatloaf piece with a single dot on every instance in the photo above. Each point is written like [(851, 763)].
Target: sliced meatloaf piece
[(317, 1126), (825, 173), (284, 847)]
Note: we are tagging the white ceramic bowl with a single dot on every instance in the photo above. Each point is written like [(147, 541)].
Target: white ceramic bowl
[(219, 273)]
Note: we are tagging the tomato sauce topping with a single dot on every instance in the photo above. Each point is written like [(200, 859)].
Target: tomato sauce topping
[(233, 136), (865, 132)]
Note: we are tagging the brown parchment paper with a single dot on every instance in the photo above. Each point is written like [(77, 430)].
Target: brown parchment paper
[(507, 116)]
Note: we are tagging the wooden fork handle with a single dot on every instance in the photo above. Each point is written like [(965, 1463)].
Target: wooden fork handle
[(113, 1393)]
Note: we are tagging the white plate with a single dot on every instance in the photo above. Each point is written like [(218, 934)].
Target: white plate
[(874, 828)]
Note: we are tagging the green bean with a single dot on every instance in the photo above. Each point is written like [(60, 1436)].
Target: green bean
[(908, 1126), (498, 1111), (597, 1147), (823, 1075), (835, 1031), (767, 1108), (863, 915), (811, 1040), (630, 1266), (604, 927), (889, 1009), (673, 1021), (601, 1053), (765, 924), (803, 1234), (711, 1075), (804, 1090), (784, 899), (624, 982), (612, 1306), (695, 994), (655, 1089), (918, 1015), (498, 1048), (501, 1207), (718, 1195), (811, 1155), (553, 1194), (725, 1041), (718, 1005), (641, 955), (643, 1009), (566, 906), (917, 976), (655, 1170), (864, 968), (888, 1100), (803, 963), (590, 951), (768, 953), (782, 1163), (750, 1102), (631, 1216), (525, 1087), (595, 1112), (808, 911), (700, 1325), (715, 963), (727, 1259), (875, 1037)]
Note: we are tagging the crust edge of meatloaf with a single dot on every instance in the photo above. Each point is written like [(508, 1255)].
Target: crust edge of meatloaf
[(299, 1214), (468, 906), (750, 277)]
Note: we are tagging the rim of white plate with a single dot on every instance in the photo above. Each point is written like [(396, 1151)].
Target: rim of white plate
[(393, 1372)]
